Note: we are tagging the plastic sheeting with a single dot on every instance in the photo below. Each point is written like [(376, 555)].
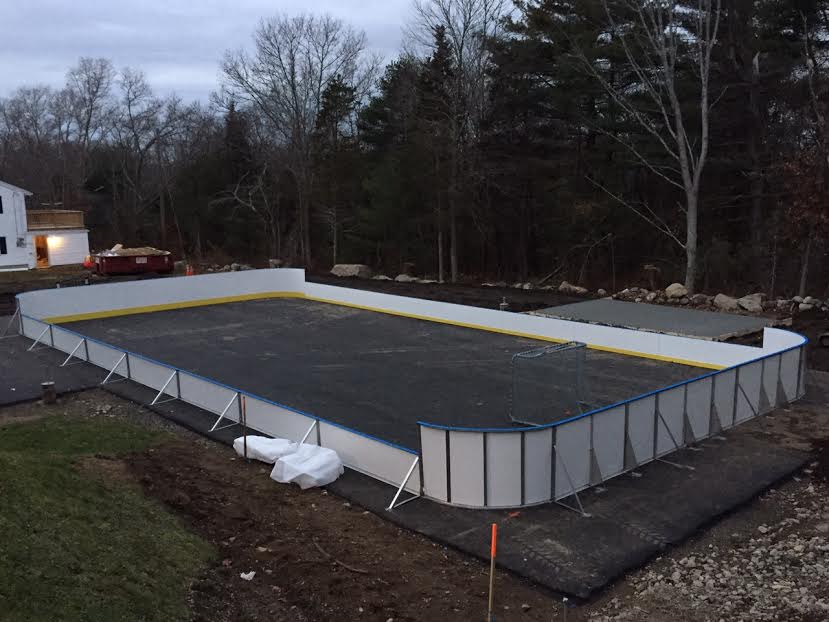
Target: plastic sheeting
[(264, 449), (308, 466)]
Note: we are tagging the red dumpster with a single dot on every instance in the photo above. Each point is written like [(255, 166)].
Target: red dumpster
[(133, 261)]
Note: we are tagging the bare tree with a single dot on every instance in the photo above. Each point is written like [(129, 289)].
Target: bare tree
[(294, 60), (655, 38), (469, 25), (88, 91), (140, 122)]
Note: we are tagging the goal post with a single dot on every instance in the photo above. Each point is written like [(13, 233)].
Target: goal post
[(549, 384)]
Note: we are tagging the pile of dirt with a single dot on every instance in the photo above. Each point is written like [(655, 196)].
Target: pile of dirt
[(141, 251)]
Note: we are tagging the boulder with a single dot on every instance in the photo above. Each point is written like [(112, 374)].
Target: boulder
[(753, 303), (274, 263), (700, 299), (568, 288), (601, 292), (651, 297), (676, 290), (810, 300), (527, 286), (381, 277), (684, 301), (805, 306), (426, 281), (359, 270), (726, 303), (405, 278), (797, 299), (235, 267)]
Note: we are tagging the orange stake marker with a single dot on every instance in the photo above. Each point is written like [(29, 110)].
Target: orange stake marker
[(490, 617)]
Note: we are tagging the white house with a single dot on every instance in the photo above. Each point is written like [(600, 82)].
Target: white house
[(38, 238)]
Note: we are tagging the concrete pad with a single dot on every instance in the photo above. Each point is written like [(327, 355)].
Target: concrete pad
[(660, 319)]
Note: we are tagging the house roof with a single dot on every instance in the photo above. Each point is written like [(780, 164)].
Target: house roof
[(15, 188)]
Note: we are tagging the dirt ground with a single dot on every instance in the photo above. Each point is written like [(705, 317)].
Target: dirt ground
[(318, 557)]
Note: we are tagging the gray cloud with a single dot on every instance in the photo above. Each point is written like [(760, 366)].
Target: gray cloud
[(178, 43)]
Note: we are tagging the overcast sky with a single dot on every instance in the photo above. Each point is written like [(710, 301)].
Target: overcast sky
[(178, 43)]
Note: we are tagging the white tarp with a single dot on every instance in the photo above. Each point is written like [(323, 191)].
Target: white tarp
[(265, 449), (308, 466)]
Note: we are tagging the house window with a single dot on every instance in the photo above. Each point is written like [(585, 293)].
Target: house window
[(3, 250)]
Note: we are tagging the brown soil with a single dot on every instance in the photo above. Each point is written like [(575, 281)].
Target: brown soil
[(316, 557)]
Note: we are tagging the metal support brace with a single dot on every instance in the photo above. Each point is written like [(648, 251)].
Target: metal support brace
[(406, 479), (155, 401), (223, 413), (112, 371), (676, 446), (575, 494), (756, 415), (39, 337), (72, 353), (308, 433), (14, 317)]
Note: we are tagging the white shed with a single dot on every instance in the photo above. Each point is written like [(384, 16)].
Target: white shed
[(38, 238)]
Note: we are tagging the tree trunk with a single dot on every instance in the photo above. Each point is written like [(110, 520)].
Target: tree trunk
[(162, 219), (441, 269), (804, 270), (691, 243), (453, 241)]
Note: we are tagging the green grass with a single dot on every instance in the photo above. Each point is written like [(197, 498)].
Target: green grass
[(74, 546)]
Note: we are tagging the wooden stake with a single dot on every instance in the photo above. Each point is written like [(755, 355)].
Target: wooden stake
[(490, 617), (245, 425)]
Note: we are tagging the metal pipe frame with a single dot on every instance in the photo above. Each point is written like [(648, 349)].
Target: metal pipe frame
[(155, 401), (222, 415), (39, 337), (112, 371), (5, 334), (406, 479), (72, 353)]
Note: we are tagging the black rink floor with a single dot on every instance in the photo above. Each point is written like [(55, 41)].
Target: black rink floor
[(374, 372)]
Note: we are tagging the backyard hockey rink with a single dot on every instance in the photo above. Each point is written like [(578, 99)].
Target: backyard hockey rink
[(416, 393)]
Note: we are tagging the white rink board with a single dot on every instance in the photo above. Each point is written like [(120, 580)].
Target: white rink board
[(669, 426), (370, 456), (503, 470), (641, 428), (573, 459), (466, 468), (435, 463), (151, 374), (538, 465), (208, 395), (724, 394), (609, 441), (770, 372), (750, 380), (698, 407), (277, 421), (110, 297), (788, 373), (66, 341)]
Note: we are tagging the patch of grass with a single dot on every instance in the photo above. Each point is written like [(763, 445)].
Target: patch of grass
[(74, 546)]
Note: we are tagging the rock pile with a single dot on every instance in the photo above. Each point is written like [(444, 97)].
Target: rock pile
[(781, 572)]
